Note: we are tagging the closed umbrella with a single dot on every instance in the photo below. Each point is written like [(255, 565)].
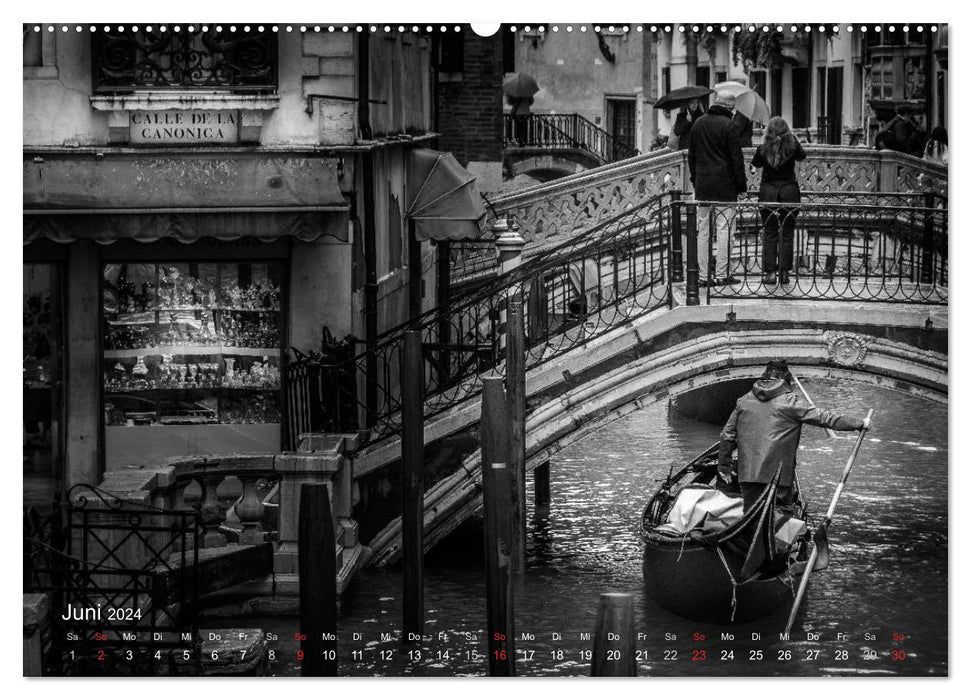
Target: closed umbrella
[(676, 98), (520, 85), (747, 101)]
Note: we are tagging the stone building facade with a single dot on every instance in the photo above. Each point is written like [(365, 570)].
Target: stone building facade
[(197, 200)]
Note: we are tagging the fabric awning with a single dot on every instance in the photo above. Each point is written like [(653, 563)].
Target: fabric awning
[(191, 227), (446, 205), (184, 196)]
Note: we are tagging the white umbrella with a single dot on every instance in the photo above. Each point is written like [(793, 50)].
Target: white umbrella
[(747, 101)]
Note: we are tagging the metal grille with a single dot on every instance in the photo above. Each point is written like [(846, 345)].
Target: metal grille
[(184, 60), (128, 570)]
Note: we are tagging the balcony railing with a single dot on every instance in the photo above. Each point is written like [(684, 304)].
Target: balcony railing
[(564, 131), (188, 59)]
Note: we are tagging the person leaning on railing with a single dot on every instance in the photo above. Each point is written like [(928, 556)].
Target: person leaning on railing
[(777, 156)]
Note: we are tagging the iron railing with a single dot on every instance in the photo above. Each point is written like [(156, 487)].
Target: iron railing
[(875, 247), (564, 131), (579, 290), (888, 249), (136, 564), (188, 59)]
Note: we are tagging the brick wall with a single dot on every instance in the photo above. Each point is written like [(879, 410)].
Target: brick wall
[(470, 102)]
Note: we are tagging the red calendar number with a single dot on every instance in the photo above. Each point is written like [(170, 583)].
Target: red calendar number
[(898, 654), (698, 655)]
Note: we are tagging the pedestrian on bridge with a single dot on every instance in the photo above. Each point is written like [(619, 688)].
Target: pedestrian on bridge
[(717, 170), (766, 427), (777, 156)]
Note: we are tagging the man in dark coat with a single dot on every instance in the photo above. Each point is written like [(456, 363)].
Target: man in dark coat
[(717, 171), (766, 426)]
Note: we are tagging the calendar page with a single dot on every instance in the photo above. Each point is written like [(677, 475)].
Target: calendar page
[(534, 349)]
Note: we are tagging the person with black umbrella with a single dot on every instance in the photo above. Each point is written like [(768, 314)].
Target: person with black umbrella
[(717, 170)]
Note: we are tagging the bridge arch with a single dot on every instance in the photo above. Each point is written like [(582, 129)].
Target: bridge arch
[(709, 357), (544, 166), (730, 357)]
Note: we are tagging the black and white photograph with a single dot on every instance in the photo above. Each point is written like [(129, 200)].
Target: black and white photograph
[(443, 349)]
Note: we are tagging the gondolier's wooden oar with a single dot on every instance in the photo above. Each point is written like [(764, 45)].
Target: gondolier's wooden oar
[(795, 379), (821, 532)]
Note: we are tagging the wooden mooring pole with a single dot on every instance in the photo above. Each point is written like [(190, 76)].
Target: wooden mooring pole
[(317, 565), (613, 640), (516, 395), (541, 486), (498, 486), (412, 487)]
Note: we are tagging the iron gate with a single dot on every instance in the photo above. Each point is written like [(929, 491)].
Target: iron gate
[(121, 578)]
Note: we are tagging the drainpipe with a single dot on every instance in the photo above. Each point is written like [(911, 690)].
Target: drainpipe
[(370, 234)]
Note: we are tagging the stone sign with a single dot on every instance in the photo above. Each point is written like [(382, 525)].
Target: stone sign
[(179, 127)]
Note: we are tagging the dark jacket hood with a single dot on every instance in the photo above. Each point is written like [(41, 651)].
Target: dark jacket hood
[(765, 389)]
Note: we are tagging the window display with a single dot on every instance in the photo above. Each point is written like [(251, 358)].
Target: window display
[(192, 344)]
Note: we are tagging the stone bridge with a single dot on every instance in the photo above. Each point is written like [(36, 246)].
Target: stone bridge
[(669, 352)]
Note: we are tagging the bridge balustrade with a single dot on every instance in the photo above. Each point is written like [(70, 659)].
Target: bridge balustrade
[(564, 207)]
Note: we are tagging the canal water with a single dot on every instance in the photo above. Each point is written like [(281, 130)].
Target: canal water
[(879, 609)]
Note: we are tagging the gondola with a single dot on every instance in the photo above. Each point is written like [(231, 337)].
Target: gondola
[(698, 573)]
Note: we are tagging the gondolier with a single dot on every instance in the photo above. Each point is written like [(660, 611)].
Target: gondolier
[(766, 426)]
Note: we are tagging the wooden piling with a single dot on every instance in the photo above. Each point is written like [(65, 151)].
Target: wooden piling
[(497, 493), (613, 640), (317, 565), (516, 397), (692, 296), (541, 483), (412, 487)]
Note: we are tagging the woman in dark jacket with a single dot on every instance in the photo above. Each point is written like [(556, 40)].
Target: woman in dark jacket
[(777, 156), (685, 120)]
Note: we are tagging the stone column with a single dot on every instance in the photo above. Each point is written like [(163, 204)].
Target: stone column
[(320, 460), (509, 243)]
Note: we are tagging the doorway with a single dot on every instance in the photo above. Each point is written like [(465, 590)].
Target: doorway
[(43, 421), (622, 121)]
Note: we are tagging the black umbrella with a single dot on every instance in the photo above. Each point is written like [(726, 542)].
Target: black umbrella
[(520, 85), (676, 97)]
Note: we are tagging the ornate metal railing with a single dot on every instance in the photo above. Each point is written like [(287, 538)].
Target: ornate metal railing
[(563, 131), (134, 563), (858, 246), (564, 207), (892, 248), (577, 291), (188, 59)]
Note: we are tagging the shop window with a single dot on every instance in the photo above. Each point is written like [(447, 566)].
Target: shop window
[(191, 359), (43, 427), (240, 61)]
